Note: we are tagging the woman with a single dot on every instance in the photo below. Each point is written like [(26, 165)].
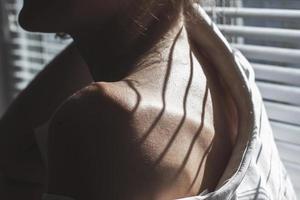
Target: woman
[(164, 109)]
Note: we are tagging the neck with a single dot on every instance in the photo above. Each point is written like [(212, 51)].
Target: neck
[(113, 50)]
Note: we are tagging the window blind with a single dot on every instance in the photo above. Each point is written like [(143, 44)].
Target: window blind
[(2, 82), (27, 53), (268, 34)]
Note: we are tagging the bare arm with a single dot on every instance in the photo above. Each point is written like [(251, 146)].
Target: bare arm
[(20, 161)]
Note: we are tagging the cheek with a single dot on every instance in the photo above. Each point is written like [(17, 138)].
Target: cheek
[(68, 15)]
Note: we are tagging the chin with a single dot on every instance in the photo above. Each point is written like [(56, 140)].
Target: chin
[(35, 22), (27, 24)]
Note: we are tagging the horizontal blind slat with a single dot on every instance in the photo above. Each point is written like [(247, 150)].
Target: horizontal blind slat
[(262, 33), (288, 14), (283, 113), (267, 53), (25, 75), (286, 132), (37, 44), (281, 93), (279, 74), (31, 54), (289, 152)]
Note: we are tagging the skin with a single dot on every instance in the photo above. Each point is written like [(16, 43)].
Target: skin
[(30, 109), (154, 124)]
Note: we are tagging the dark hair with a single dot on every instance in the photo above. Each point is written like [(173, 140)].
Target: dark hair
[(63, 36)]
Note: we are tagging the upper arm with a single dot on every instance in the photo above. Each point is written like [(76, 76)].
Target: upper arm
[(84, 140)]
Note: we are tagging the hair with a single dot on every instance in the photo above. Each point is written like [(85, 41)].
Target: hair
[(176, 3)]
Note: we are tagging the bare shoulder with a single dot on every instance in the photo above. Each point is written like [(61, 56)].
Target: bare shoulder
[(93, 104), (146, 141), (86, 132)]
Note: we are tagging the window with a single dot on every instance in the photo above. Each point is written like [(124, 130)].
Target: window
[(25, 53), (267, 32)]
